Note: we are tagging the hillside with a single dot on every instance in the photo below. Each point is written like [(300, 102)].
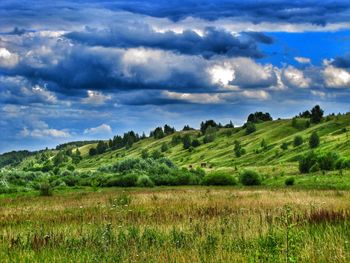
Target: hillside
[(269, 150), (334, 134)]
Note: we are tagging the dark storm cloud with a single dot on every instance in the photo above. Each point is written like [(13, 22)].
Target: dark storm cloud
[(342, 62), (85, 68), (213, 42)]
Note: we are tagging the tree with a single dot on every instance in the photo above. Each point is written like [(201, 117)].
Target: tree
[(239, 151), (164, 147), (298, 140), (250, 128), (101, 147), (144, 154), (210, 134), (263, 144), (314, 140), (305, 114), (206, 124), (259, 117), (156, 154), (316, 114), (92, 151), (284, 146), (176, 139), (229, 125), (186, 141), (168, 130), (158, 133), (196, 143), (187, 128)]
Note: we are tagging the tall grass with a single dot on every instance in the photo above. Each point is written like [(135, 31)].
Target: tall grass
[(188, 224)]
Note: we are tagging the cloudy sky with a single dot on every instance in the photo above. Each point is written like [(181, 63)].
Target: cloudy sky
[(74, 70)]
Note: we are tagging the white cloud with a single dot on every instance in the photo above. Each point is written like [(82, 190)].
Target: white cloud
[(99, 130), (201, 98), (40, 92), (8, 59), (303, 60), (336, 77), (295, 78), (44, 133), (95, 98)]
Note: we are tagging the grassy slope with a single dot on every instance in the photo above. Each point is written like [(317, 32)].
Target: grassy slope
[(219, 154)]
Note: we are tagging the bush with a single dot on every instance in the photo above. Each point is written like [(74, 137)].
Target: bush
[(307, 161), (284, 146), (328, 161), (289, 181), (196, 143), (128, 180), (45, 189), (250, 128), (164, 147), (314, 140), (144, 181), (219, 178), (249, 177), (298, 140)]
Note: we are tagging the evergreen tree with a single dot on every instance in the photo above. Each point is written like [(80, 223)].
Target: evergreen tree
[(316, 114)]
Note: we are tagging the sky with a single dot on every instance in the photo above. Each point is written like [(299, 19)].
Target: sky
[(82, 70)]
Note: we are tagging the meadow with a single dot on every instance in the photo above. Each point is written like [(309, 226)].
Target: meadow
[(177, 224)]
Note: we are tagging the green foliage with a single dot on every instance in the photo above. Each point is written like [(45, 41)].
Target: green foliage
[(156, 154), (298, 140), (259, 117), (186, 140), (307, 161), (164, 147), (206, 124), (327, 161), (314, 140), (219, 178), (45, 189), (144, 154), (210, 134), (195, 143), (284, 146), (238, 149), (250, 128), (176, 139), (128, 180), (316, 114), (144, 181), (249, 177), (289, 181), (92, 151)]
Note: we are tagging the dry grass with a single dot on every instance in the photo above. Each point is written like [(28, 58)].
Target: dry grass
[(178, 225)]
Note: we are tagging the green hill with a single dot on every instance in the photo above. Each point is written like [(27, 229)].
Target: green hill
[(269, 150)]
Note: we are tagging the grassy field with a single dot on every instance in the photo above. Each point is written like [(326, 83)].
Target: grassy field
[(179, 224)]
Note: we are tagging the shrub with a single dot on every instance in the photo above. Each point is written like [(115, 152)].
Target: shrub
[(328, 161), (314, 140), (186, 142), (164, 147), (250, 128), (219, 178), (238, 149), (128, 180), (196, 143), (249, 177), (284, 146), (45, 189), (289, 181), (144, 181), (307, 161), (298, 140)]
